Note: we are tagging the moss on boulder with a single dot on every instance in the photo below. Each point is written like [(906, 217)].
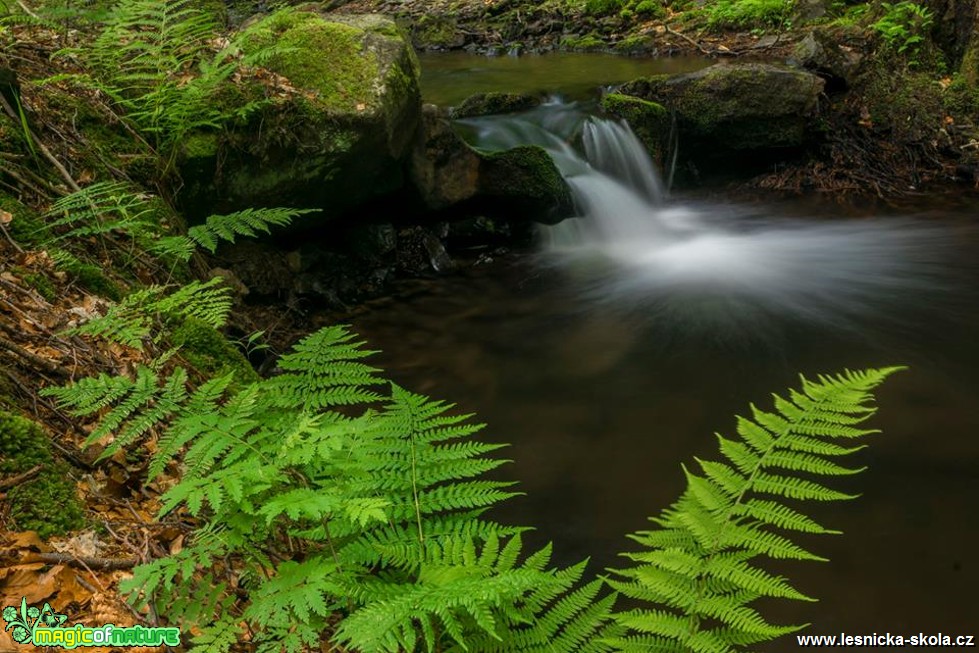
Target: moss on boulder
[(48, 503), (336, 138), (737, 107), (486, 104), (525, 180), (649, 120)]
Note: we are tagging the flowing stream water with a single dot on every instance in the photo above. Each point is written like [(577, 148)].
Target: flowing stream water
[(645, 324)]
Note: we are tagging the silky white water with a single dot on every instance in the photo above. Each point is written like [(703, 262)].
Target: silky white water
[(633, 246)]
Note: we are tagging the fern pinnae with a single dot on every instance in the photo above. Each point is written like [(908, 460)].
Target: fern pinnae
[(700, 564)]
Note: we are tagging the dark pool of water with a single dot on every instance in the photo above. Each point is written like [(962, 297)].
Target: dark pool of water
[(602, 405), (449, 78)]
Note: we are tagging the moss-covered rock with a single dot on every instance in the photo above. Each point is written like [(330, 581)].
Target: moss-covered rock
[(486, 104), (210, 353), (335, 139), (48, 503), (526, 181), (738, 106), (437, 32), (521, 184), (649, 120)]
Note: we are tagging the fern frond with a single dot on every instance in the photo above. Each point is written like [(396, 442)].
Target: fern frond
[(248, 223), (700, 567)]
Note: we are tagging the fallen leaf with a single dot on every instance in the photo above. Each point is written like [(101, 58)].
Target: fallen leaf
[(5, 217)]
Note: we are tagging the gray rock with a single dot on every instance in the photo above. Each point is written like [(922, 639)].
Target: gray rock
[(736, 106)]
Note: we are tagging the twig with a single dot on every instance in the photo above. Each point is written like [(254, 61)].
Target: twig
[(689, 40), (84, 562), (10, 239), (14, 481), (41, 362), (40, 145), (27, 10)]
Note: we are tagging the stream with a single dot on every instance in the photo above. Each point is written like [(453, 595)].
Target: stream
[(638, 330)]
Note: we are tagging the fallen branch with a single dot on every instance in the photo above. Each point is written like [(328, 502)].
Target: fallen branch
[(39, 361), (14, 481), (83, 562)]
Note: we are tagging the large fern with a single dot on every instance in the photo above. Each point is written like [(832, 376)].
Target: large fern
[(329, 495), (700, 570)]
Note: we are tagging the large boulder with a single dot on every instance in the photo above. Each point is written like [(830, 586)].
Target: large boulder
[(749, 106), (340, 108)]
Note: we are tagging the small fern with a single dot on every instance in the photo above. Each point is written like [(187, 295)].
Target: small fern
[(136, 319), (699, 568)]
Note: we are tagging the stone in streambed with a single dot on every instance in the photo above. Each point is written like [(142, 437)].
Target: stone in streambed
[(738, 106)]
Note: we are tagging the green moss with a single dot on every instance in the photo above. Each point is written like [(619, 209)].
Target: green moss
[(526, 179), (485, 104), (210, 353), (201, 145), (38, 282), (962, 99), (970, 62), (650, 120), (650, 9), (435, 31), (904, 104), (634, 44), (26, 227), (91, 278), (342, 72), (48, 503), (586, 42)]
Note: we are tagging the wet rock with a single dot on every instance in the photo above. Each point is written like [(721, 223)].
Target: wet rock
[(438, 258), (821, 53), (649, 120), (372, 241), (738, 106), (809, 10), (437, 32), (485, 104), (522, 182), (443, 168), (335, 137)]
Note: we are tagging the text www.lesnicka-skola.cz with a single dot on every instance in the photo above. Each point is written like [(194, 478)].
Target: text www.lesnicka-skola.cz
[(887, 639)]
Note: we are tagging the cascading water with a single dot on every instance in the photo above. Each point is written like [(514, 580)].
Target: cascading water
[(631, 246)]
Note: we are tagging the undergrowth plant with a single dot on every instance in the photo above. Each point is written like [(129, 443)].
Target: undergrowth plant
[(327, 492), (904, 26), (702, 568), (333, 505)]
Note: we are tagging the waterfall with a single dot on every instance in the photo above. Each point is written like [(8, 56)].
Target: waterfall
[(631, 243)]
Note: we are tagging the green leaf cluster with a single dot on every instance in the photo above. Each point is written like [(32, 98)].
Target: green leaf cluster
[(335, 506), (702, 567)]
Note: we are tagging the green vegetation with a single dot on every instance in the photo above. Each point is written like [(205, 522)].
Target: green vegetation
[(335, 495), (747, 14), (47, 502), (904, 26)]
